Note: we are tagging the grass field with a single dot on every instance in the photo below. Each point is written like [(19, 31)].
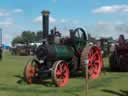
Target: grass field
[(12, 84)]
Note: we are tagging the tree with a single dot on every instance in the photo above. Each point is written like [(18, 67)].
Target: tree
[(17, 39), (39, 36), (28, 36)]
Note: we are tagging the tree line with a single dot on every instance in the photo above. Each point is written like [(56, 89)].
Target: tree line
[(28, 37), (31, 37)]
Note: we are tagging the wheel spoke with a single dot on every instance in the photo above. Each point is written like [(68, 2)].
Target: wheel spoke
[(97, 62), (95, 70), (95, 55), (61, 67), (58, 73)]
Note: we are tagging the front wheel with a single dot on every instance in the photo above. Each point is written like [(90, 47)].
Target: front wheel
[(30, 71), (60, 73)]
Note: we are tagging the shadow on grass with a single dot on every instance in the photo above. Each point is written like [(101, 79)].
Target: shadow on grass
[(106, 69), (21, 79), (40, 82), (121, 93), (46, 81), (24, 90), (70, 91), (74, 91)]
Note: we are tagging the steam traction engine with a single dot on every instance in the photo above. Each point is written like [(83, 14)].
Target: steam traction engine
[(59, 57), (119, 54)]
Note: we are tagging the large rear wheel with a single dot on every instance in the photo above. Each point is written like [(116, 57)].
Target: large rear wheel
[(93, 57)]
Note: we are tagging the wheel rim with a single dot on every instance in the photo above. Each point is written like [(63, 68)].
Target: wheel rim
[(94, 62), (29, 73), (61, 74)]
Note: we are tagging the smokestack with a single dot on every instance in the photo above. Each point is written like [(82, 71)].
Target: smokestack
[(45, 23)]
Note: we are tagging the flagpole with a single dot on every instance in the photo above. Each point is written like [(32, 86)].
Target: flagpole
[(86, 77)]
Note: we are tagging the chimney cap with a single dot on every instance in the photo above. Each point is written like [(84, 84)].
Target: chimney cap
[(45, 12)]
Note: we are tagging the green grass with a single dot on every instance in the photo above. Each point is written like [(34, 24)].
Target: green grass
[(12, 84)]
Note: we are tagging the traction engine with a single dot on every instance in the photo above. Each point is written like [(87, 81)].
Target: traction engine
[(118, 58), (60, 57)]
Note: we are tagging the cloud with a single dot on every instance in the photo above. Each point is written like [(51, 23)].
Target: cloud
[(6, 37), (75, 21), (8, 22), (52, 20), (4, 12), (109, 29), (9, 33), (111, 9), (38, 19), (63, 21), (58, 22), (103, 24), (104, 27), (18, 10), (122, 28), (110, 26)]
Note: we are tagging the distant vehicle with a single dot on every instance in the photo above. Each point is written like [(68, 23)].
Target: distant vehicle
[(105, 45), (23, 50), (118, 58), (20, 49)]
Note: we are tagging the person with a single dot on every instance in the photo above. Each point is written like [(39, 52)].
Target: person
[(0, 53), (121, 40), (57, 37)]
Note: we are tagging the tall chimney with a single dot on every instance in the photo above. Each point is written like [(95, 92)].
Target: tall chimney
[(45, 23)]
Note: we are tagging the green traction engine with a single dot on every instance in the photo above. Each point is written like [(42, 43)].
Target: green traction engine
[(60, 57)]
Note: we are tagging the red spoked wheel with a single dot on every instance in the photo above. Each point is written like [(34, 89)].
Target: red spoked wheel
[(30, 71), (93, 56), (60, 73)]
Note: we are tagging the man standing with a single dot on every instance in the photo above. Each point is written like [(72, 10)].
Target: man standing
[(0, 52), (0, 44)]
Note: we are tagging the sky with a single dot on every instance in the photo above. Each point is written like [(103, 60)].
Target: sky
[(99, 17)]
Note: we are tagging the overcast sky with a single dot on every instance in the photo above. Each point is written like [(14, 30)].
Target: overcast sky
[(100, 17)]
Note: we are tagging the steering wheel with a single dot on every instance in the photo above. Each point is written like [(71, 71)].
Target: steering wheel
[(81, 37)]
